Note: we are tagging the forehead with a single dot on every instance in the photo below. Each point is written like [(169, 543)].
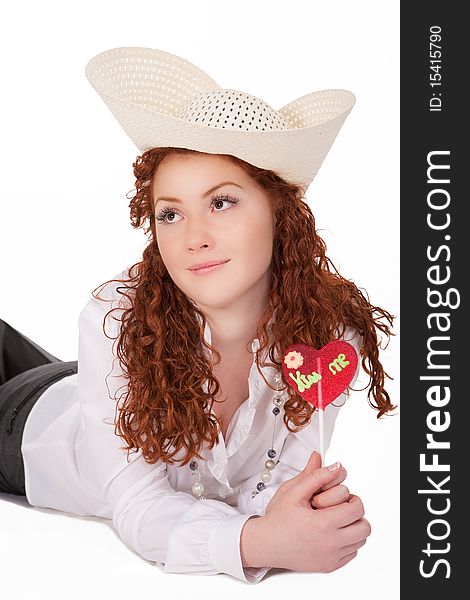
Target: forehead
[(187, 171)]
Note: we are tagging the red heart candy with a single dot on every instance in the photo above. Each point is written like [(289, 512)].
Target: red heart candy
[(320, 376)]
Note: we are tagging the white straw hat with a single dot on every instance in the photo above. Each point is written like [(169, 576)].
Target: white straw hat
[(162, 100)]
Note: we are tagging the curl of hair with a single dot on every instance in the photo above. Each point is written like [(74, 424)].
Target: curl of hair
[(166, 409)]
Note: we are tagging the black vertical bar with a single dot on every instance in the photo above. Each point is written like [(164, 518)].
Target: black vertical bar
[(435, 358)]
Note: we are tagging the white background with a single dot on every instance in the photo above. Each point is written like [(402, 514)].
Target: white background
[(66, 167)]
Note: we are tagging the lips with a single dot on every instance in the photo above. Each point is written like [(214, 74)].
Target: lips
[(209, 268), (206, 265)]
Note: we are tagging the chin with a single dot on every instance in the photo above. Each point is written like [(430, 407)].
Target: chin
[(215, 300)]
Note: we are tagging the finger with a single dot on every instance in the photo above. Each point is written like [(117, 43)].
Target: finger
[(340, 477), (331, 497), (309, 481), (352, 547), (346, 513), (356, 532), (345, 559)]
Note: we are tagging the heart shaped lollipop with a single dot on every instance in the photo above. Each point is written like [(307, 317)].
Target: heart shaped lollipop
[(320, 376)]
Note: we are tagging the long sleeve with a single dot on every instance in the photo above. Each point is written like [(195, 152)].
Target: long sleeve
[(160, 524), (297, 448)]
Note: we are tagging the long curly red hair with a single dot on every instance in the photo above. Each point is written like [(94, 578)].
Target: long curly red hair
[(165, 408)]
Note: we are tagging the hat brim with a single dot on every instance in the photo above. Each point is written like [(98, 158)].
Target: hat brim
[(145, 88)]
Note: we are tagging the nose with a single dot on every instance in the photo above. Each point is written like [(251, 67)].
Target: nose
[(198, 235)]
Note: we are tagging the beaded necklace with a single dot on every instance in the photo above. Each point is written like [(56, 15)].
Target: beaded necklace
[(197, 488)]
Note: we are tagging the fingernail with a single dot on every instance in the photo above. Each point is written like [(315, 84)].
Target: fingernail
[(334, 466)]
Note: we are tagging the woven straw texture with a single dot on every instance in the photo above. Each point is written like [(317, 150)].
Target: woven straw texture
[(160, 100)]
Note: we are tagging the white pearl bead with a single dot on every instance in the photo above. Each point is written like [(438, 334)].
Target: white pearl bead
[(196, 476), (270, 464), (198, 489), (265, 476)]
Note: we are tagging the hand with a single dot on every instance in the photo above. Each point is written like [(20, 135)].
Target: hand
[(298, 538), (329, 494), (332, 493)]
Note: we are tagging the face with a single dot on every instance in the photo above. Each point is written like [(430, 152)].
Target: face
[(207, 209)]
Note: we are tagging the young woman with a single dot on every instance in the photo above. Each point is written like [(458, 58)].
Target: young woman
[(176, 422)]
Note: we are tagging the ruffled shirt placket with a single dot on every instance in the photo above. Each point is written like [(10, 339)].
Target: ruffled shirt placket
[(220, 453)]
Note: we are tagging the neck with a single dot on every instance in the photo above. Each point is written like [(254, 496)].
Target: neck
[(234, 327)]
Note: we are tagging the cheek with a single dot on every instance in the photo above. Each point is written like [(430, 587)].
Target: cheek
[(254, 242), (167, 251)]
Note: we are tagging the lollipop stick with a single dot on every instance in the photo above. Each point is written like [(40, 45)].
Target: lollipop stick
[(322, 448), (320, 414)]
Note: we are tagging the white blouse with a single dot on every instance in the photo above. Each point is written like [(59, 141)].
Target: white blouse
[(73, 461)]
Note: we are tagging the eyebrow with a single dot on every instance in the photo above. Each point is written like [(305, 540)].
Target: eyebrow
[(170, 199)]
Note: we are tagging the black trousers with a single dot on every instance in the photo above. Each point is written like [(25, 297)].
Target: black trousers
[(26, 371)]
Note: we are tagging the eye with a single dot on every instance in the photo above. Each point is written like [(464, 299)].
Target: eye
[(221, 198), (216, 201), (162, 215)]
